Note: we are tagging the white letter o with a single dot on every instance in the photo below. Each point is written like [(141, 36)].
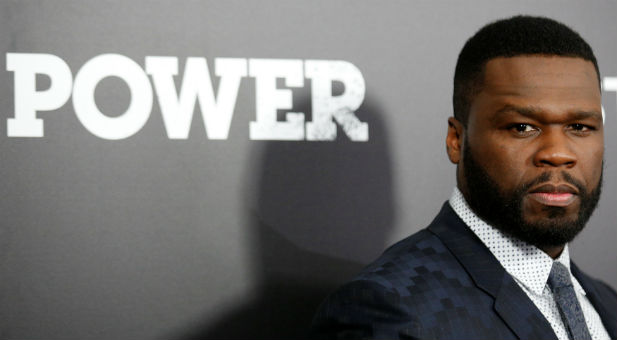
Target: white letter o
[(86, 110)]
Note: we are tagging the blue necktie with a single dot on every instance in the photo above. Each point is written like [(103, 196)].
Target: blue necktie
[(572, 316)]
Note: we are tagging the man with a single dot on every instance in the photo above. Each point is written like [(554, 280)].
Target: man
[(527, 138)]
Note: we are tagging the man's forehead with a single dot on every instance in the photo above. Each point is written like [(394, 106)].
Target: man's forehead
[(541, 71), (549, 85)]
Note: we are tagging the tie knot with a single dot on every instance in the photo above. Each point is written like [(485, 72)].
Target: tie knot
[(559, 276)]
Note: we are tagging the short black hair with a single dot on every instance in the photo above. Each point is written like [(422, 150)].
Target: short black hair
[(516, 36)]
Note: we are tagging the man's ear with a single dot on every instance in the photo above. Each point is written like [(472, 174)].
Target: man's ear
[(454, 140)]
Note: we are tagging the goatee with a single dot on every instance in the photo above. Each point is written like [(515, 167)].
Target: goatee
[(504, 210)]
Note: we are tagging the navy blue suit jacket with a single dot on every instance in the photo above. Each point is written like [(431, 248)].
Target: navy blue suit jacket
[(443, 283)]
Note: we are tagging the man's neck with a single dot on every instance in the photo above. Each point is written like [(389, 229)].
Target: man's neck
[(553, 251)]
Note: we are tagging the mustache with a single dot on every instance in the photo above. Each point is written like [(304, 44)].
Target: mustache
[(547, 176)]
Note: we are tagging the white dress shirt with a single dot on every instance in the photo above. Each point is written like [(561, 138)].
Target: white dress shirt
[(530, 268)]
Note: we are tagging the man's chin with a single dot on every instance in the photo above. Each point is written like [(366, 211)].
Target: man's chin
[(554, 230), (551, 216)]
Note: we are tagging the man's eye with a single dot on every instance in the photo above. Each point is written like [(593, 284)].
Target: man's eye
[(523, 128), (580, 127)]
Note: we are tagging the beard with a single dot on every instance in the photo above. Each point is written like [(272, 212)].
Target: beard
[(504, 210)]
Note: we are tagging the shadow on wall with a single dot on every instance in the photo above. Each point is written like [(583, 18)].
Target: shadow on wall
[(321, 211)]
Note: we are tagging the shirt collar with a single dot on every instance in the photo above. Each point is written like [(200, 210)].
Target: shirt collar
[(526, 263)]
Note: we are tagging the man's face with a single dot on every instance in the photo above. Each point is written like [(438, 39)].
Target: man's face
[(532, 154)]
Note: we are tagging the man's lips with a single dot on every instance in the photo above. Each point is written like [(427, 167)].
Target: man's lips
[(554, 195)]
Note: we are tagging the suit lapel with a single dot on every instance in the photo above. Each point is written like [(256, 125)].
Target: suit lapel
[(520, 313), (605, 311), (511, 302)]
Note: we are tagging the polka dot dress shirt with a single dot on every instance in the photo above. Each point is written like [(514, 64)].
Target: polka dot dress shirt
[(530, 268)]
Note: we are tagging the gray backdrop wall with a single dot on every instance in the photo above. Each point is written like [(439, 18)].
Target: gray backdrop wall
[(140, 235)]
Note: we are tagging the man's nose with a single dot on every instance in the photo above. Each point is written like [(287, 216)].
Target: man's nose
[(554, 150)]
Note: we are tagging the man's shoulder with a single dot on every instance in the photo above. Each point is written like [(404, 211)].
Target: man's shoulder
[(424, 260), (377, 302), (403, 264), (415, 288)]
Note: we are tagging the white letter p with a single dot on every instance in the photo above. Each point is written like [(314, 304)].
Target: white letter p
[(27, 99)]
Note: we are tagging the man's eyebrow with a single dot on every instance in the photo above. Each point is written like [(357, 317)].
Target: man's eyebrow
[(524, 111), (534, 112)]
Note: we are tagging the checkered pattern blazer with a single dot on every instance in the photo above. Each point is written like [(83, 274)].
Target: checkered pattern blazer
[(443, 283)]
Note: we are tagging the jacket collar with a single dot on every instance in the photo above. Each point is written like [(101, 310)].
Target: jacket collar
[(511, 302)]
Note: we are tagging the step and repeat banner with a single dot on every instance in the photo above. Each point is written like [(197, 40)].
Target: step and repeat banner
[(213, 169)]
